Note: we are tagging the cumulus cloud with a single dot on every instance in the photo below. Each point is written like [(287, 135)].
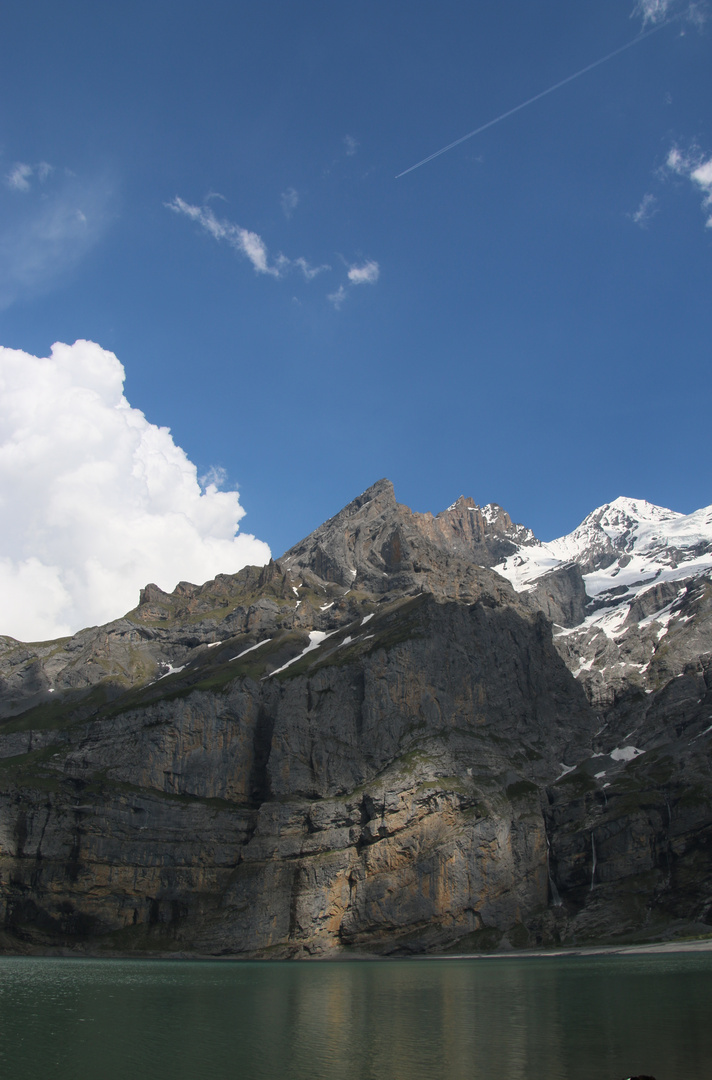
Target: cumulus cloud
[(289, 200), (647, 209), (691, 164), (247, 243), (366, 274), (49, 220), (97, 501)]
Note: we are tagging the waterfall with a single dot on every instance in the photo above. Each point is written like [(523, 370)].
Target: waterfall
[(593, 863), (555, 897)]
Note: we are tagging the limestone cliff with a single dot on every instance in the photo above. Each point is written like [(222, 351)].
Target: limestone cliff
[(374, 744)]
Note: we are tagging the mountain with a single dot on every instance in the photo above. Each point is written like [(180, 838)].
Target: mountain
[(636, 573), (411, 733)]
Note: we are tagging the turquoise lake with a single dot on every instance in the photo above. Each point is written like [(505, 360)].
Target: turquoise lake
[(559, 1018)]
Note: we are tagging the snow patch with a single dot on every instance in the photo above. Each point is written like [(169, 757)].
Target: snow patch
[(705, 732), (315, 639), (625, 753), (250, 649), (171, 671)]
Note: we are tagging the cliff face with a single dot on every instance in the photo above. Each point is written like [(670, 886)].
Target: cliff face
[(371, 745)]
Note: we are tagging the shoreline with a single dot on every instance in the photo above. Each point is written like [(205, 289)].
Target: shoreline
[(700, 945)]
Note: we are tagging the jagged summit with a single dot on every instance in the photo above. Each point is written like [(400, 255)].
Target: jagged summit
[(381, 545)]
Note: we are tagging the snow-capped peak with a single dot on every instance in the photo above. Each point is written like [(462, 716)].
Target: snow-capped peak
[(623, 548)]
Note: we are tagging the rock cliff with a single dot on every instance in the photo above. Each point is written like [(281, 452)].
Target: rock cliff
[(375, 744)]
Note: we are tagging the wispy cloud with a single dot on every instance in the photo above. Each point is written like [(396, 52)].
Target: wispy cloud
[(692, 165), (702, 176), (20, 176), (350, 145), (49, 220), (245, 242), (655, 12), (289, 200), (366, 274), (213, 479), (337, 298), (308, 270), (647, 209), (242, 240)]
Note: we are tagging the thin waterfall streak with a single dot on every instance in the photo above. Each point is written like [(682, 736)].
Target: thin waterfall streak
[(541, 94), (593, 862), (555, 896)]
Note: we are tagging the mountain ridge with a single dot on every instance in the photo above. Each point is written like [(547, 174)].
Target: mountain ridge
[(376, 742)]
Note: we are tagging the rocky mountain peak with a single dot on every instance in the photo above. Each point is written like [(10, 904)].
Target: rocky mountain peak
[(378, 544)]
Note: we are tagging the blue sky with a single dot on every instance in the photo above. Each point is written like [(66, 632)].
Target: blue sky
[(525, 319)]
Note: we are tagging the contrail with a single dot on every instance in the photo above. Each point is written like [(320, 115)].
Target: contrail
[(543, 93)]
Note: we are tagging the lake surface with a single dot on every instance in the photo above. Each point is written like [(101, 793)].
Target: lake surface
[(560, 1018)]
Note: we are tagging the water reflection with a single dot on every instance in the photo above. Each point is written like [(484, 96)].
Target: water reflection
[(519, 1019)]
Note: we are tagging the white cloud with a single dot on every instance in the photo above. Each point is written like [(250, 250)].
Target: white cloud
[(309, 271), (691, 164), (247, 243), (367, 274), (97, 500), (351, 145), (215, 477), (46, 227), (242, 240), (702, 176), (653, 11), (289, 200), (647, 209), (19, 177), (337, 298)]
